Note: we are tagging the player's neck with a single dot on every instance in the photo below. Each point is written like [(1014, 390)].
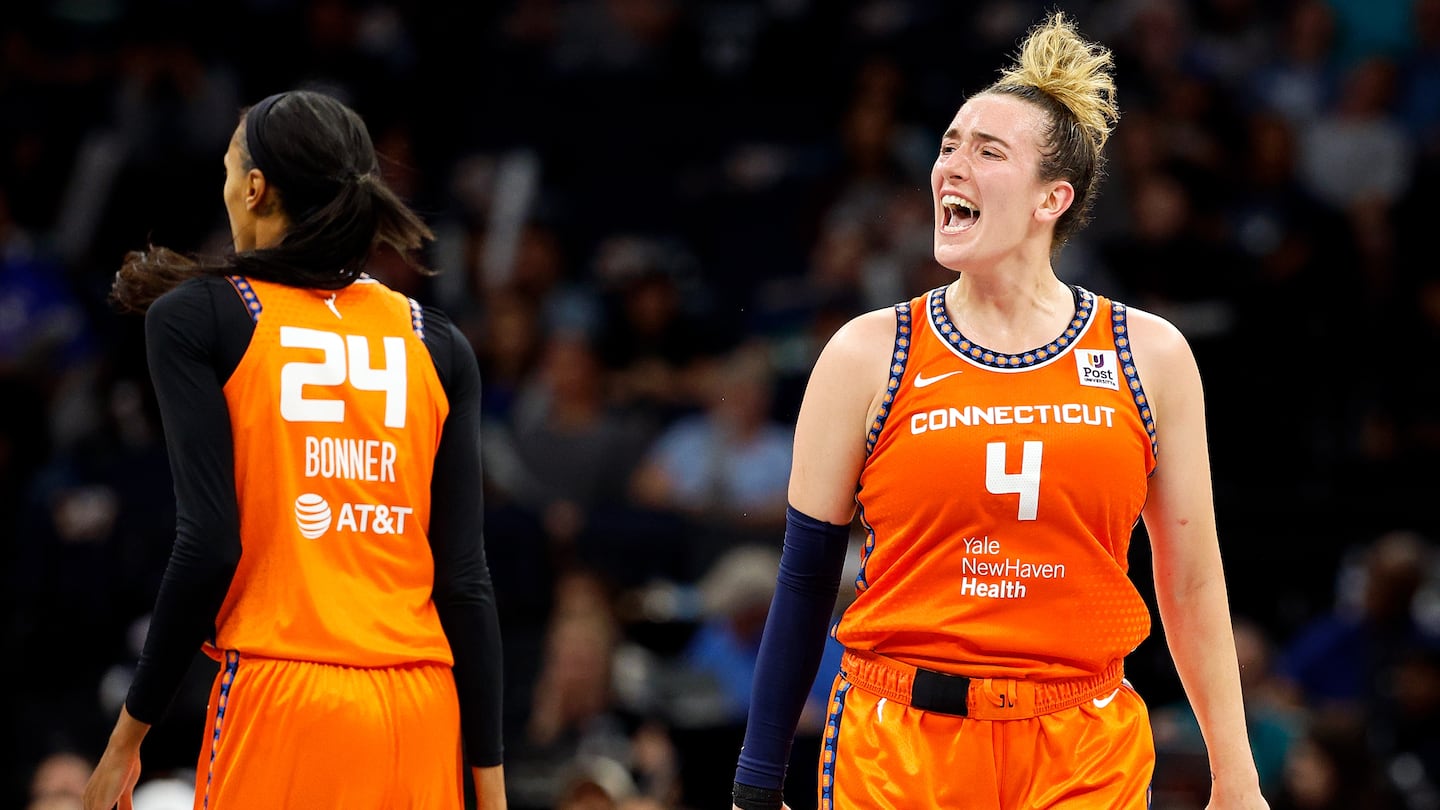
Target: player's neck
[(1009, 314)]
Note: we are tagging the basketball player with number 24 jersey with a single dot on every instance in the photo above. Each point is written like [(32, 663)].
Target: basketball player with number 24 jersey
[(323, 432)]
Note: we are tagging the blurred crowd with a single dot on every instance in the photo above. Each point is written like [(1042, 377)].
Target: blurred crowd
[(651, 216)]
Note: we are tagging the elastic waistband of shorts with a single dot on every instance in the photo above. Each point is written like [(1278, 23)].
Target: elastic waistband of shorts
[(977, 698)]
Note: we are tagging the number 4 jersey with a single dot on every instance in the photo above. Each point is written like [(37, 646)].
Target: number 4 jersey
[(336, 410), (999, 496)]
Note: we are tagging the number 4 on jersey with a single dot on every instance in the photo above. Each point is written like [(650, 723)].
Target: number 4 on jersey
[(1025, 483), (333, 370)]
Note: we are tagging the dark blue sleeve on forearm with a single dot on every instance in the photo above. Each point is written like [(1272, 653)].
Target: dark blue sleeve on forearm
[(792, 646)]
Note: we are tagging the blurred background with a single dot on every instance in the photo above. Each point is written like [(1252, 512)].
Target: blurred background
[(652, 215)]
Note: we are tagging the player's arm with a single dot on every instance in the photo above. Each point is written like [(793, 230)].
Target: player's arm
[(464, 594), (189, 362), (841, 398), (1189, 577)]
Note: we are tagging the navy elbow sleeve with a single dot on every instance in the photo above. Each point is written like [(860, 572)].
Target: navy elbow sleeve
[(793, 644)]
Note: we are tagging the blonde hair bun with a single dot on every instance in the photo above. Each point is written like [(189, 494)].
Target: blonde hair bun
[(1077, 73)]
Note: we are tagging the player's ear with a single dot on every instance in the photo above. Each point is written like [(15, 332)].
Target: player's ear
[(1057, 200), (260, 196)]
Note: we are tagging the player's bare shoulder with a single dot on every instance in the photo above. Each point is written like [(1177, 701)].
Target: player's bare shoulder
[(860, 350), (862, 338), (1163, 359), (854, 366)]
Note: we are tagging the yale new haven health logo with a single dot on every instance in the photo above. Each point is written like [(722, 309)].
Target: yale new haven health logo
[(1097, 368)]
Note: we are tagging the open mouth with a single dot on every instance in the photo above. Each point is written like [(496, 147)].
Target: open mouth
[(960, 214)]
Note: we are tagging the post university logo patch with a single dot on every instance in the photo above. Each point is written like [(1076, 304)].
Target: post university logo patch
[(1097, 368)]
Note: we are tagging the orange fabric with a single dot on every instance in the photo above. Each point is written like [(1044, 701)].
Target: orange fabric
[(882, 755), (999, 496), (986, 698), (336, 409), (296, 734)]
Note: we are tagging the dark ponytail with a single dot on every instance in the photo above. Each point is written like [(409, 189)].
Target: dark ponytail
[(317, 154)]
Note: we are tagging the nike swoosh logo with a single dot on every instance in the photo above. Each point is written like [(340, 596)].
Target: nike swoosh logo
[(921, 380), (1100, 704)]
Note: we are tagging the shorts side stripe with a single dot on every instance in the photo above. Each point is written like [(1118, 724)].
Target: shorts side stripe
[(232, 664), (827, 753)]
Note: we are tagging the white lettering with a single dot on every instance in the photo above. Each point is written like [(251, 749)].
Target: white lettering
[(981, 545), (350, 459), (372, 518), (364, 509), (1011, 567), (347, 518), (1004, 589), (388, 454), (399, 512), (1068, 413), (937, 420)]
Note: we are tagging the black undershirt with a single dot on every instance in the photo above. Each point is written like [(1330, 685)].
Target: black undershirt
[(195, 336)]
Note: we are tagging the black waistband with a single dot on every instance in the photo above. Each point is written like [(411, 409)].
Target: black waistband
[(938, 692)]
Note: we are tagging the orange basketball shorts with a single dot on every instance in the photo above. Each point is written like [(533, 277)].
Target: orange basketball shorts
[(878, 753), (301, 734)]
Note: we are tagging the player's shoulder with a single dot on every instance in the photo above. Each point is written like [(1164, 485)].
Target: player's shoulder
[(864, 333), (439, 319), (198, 289), (1162, 356), (1154, 336), (859, 351), (191, 304)]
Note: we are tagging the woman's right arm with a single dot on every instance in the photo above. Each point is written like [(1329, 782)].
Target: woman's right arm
[(844, 393), (842, 399)]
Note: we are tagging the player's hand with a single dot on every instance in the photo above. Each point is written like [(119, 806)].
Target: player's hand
[(112, 783)]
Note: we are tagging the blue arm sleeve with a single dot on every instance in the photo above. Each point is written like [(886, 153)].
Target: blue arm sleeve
[(793, 643)]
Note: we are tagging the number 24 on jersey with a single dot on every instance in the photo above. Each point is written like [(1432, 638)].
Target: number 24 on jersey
[(344, 359)]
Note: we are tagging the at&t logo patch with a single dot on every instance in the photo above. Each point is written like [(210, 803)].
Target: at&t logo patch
[(313, 517), (1097, 368)]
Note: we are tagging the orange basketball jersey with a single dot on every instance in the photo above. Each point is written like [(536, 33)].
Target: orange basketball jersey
[(336, 409), (999, 495)]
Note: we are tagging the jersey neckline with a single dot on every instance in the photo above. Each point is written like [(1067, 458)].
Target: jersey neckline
[(969, 350)]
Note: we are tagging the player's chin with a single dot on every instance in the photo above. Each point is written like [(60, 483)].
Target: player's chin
[(950, 255)]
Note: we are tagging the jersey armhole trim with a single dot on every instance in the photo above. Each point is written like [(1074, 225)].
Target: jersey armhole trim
[(899, 355), (417, 318), (247, 296), (1132, 376)]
